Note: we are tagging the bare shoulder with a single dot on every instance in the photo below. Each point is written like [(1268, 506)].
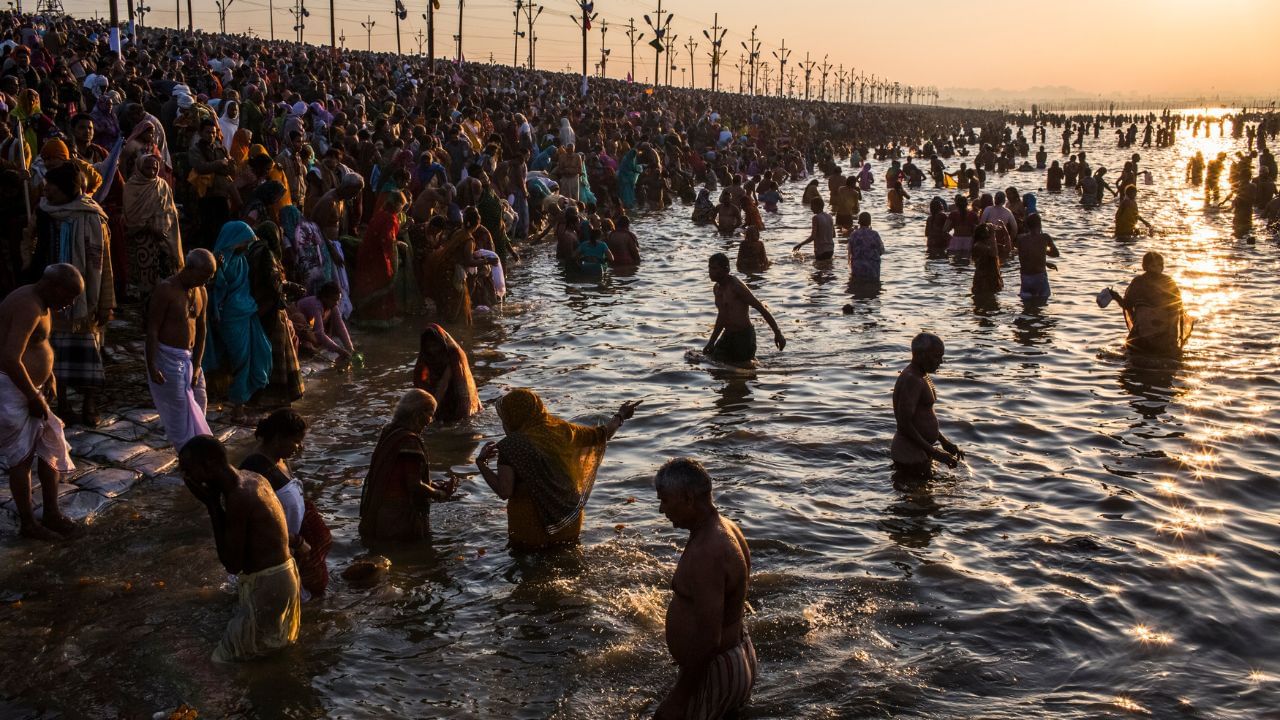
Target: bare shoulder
[(21, 305)]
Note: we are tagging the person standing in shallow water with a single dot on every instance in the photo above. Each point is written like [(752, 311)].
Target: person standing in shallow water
[(252, 540), (395, 500), (704, 626), (915, 444), (734, 339), (546, 469)]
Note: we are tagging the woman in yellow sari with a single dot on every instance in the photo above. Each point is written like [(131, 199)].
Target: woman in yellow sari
[(546, 469)]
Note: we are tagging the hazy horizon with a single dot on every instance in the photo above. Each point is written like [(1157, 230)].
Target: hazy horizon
[(1119, 50)]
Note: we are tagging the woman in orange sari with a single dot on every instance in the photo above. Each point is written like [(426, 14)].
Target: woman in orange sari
[(376, 259), (442, 370), (446, 271), (546, 469)]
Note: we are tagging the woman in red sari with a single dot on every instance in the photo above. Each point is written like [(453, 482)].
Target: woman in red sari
[(395, 501), (443, 371), (376, 263)]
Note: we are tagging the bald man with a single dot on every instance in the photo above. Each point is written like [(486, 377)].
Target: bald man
[(29, 431), (175, 347), (915, 443)]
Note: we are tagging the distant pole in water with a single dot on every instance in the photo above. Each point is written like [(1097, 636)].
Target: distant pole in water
[(826, 69), (781, 55), (716, 36), (587, 6), (420, 37), (530, 18), (368, 29), (460, 4), (516, 35), (634, 38), (223, 6), (753, 53), (659, 29), (669, 65), (808, 72), (401, 13), (604, 51)]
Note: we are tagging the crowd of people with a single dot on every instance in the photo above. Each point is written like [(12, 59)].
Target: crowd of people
[(245, 201)]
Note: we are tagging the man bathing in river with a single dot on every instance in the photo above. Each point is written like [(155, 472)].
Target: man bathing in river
[(734, 339), (29, 431), (705, 633), (252, 539), (175, 347), (913, 449)]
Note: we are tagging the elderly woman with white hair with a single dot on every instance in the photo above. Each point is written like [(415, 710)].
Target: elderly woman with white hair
[(395, 501)]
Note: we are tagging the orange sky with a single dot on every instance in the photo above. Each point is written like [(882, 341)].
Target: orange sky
[(1146, 47)]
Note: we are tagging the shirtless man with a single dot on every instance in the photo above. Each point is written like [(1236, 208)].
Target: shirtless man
[(704, 629), (733, 319), (252, 540), (176, 326), (29, 431), (623, 243), (822, 233), (913, 450)]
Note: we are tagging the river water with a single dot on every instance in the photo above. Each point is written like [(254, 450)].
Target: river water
[(1109, 549)]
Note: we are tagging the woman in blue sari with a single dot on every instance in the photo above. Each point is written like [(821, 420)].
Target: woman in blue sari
[(628, 173), (238, 347)]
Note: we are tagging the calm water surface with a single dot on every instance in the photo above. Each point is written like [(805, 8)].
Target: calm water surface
[(1109, 549)]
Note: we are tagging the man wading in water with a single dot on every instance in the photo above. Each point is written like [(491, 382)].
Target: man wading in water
[(734, 339), (705, 634), (913, 450)]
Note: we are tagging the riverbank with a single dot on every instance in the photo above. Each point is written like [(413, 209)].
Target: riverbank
[(128, 447)]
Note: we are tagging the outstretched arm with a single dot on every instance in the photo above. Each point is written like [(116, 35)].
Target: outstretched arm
[(763, 309)]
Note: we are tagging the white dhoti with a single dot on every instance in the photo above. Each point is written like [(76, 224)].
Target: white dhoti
[(180, 404), (22, 435), (268, 616)]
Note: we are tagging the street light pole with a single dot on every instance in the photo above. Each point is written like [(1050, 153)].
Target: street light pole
[(368, 29), (716, 36), (782, 54), (634, 38), (659, 34)]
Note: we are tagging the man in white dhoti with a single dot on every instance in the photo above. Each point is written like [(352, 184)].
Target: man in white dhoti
[(29, 431), (175, 347)]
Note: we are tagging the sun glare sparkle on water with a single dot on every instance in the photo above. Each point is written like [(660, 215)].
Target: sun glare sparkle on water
[(1147, 635)]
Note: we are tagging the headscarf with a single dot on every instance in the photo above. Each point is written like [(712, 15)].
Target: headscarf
[(55, 149), (229, 125), (106, 126), (1029, 201), (148, 203), (462, 400), (239, 149), (557, 458), (231, 297)]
